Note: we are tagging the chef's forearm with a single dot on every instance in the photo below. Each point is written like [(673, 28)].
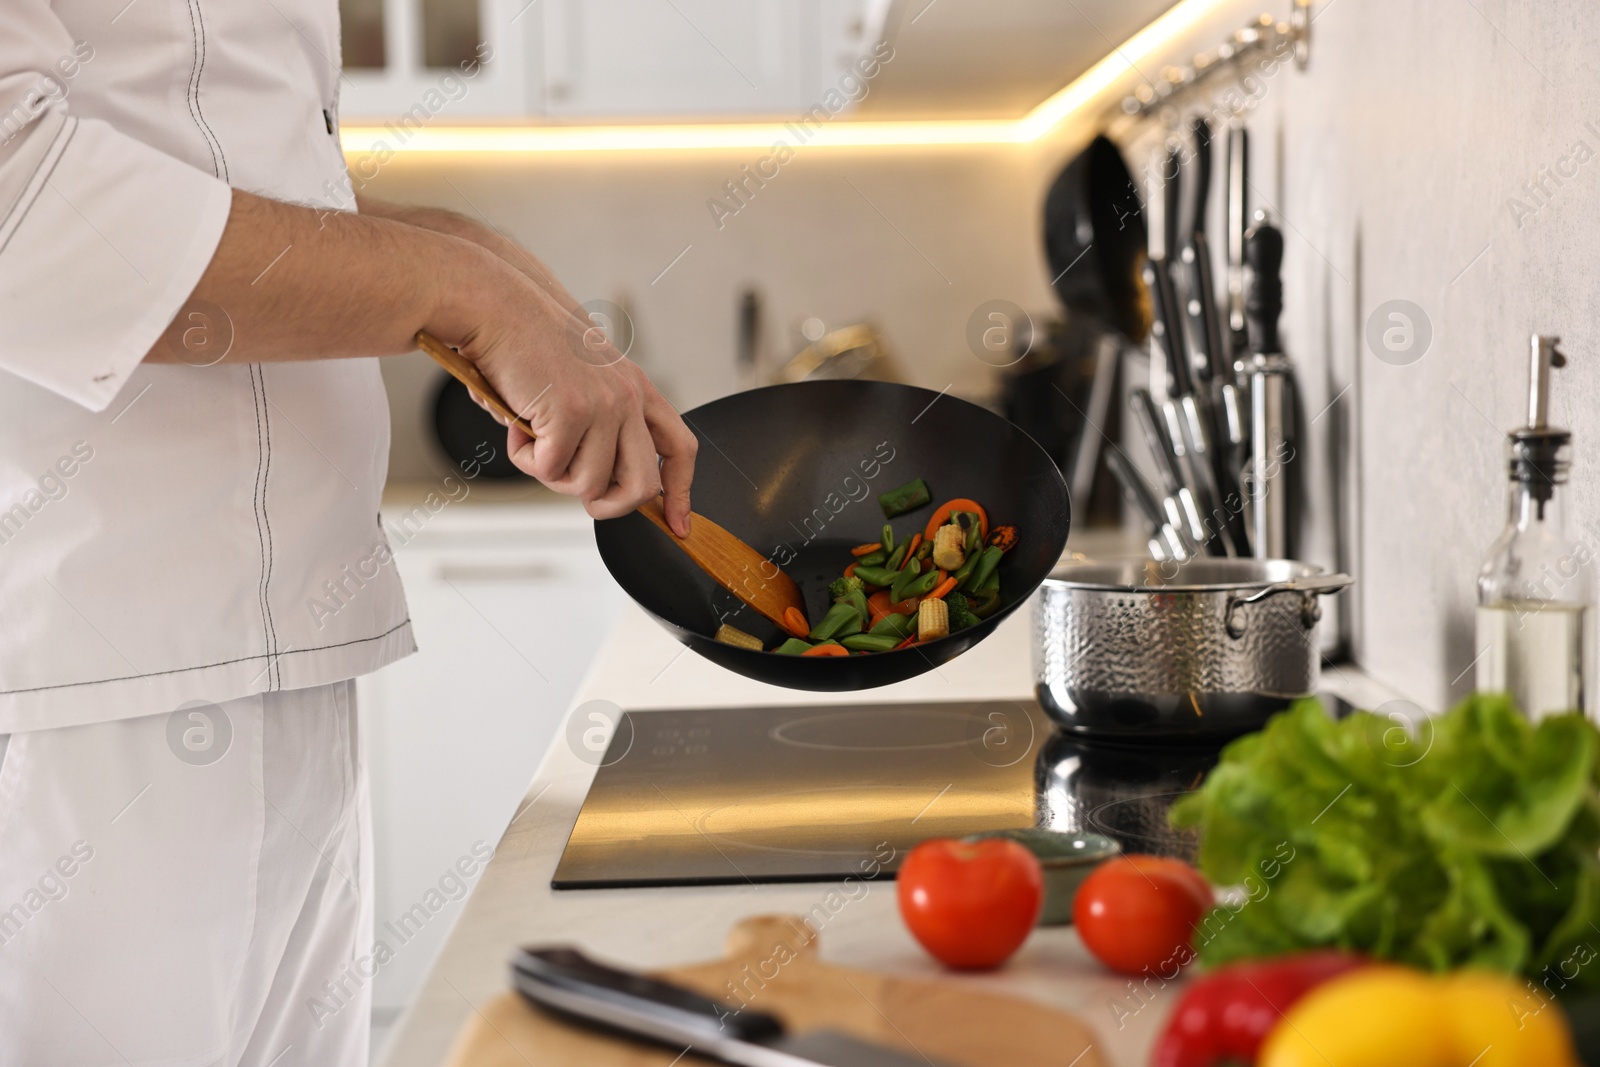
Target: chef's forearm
[(457, 225), (297, 283)]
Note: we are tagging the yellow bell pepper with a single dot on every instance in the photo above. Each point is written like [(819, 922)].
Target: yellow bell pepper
[(1387, 1016)]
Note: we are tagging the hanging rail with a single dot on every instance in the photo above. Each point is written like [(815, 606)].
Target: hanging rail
[(1265, 38)]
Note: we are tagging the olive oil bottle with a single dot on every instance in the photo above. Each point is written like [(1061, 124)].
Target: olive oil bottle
[(1535, 621)]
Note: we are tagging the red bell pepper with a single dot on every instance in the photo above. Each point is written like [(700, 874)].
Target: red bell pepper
[(1224, 1016)]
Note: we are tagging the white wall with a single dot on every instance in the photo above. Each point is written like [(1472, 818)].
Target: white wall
[(1389, 162), (812, 241)]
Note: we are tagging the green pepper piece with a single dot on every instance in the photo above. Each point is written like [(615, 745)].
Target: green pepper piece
[(871, 642), (896, 624), (986, 566), (842, 618), (908, 497), (880, 576), (792, 647), (888, 538), (858, 600), (969, 523), (905, 578), (987, 604), (872, 559)]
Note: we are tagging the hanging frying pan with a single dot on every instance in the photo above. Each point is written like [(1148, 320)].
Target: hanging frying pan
[(795, 471), (1094, 240)]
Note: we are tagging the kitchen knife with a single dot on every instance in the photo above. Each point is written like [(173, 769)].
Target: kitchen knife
[(1187, 413), (1272, 396), (1165, 542), (565, 981), (1226, 423), (1238, 223), (1182, 514)]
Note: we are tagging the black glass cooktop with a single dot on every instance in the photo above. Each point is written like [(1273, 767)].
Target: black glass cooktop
[(790, 794)]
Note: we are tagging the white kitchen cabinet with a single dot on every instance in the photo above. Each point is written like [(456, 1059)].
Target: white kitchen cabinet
[(510, 604), (607, 59)]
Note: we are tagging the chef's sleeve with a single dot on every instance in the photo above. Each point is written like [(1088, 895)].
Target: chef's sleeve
[(102, 237)]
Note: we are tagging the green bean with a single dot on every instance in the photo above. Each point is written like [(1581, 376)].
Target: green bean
[(895, 624), (841, 619), (793, 647), (905, 578), (904, 498), (986, 566), (888, 538), (871, 642), (877, 575), (872, 559)]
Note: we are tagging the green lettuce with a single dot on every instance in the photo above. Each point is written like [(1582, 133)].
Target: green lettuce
[(1473, 839)]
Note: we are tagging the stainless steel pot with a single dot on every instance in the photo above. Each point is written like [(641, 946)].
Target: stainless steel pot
[(1202, 650)]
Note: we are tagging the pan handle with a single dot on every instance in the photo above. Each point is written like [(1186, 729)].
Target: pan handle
[(1309, 589)]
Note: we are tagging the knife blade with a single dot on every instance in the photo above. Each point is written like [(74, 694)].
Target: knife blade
[(1183, 515), (567, 982), (1165, 543)]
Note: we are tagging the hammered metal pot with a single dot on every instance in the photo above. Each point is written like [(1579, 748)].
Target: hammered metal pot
[(1203, 650)]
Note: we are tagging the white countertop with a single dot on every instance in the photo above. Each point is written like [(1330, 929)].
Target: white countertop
[(642, 667)]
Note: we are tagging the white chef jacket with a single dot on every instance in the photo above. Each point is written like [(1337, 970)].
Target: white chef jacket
[(168, 532)]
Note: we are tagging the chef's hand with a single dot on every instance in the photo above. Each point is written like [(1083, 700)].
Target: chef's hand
[(599, 424), (668, 437)]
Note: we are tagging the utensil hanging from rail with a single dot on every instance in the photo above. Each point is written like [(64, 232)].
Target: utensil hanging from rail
[(1220, 399)]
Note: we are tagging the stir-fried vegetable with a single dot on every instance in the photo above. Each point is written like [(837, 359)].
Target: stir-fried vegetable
[(908, 497), (732, 635), (901, 590)]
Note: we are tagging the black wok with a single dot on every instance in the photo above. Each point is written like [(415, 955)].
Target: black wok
[(795, 471)]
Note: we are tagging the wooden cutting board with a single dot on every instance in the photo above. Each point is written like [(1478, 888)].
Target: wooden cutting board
[(772, 964)]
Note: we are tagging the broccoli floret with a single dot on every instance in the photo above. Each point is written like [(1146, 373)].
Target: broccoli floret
[(961, 615), (842, 587)]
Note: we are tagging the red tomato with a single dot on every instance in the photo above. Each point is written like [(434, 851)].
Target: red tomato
[(970, 904), (1137, 913)]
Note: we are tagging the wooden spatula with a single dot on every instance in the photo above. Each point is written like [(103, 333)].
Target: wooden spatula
[(731, 563)]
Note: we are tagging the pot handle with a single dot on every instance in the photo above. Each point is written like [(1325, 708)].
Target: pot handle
[(1309, 589), (1316, 584)]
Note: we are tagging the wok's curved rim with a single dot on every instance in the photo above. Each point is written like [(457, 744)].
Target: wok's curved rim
[(875, 669)]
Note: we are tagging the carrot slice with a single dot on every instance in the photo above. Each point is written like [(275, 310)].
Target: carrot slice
[(850, 571), (1003, 538), (795, 622), (826, 650), (879, 607), (942, 516), (907, 643), (866, 550), (911, 550), (942, 589)]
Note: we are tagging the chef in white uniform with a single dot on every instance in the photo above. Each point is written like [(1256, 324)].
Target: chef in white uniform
[(193, 439)]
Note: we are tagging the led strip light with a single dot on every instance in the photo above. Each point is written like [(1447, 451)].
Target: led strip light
[(1178, 20)]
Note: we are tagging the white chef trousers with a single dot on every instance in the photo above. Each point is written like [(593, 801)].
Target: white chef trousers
[(188, 890)]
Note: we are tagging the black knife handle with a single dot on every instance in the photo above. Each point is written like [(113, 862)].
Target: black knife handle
[(1164, 302), (570, 983), (1200, 190), (1171, 201), (1263, 299)]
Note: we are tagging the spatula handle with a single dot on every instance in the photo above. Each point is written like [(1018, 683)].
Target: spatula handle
[(466, 372)]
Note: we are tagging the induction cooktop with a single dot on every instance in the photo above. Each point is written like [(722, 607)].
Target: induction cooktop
[(731, 795), (797, 794)]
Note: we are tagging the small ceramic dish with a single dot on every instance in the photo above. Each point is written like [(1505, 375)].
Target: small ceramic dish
[(1067, 859)]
